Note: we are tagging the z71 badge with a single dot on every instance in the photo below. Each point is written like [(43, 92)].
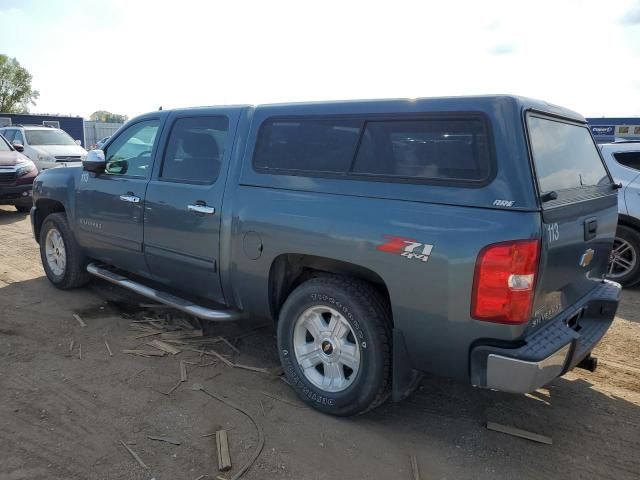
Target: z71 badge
[(406, 247)]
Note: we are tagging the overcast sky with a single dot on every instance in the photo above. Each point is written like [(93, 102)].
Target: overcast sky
[(131, 56)]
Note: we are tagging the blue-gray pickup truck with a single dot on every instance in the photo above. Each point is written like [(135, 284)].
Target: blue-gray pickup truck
[(467, 237)]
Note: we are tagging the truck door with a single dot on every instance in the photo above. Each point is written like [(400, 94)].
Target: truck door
[(110, 205), (184, 199)]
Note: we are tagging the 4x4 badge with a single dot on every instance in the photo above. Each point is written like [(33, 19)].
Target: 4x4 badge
[(406, 247), (586, 257)]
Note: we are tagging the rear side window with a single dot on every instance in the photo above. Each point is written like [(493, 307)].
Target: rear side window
[(308, 145), (425, 149), (420, 149), (564, 155), (628, 159), (195, 149)]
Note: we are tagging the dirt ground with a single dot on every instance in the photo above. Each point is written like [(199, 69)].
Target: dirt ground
[(63, 417)]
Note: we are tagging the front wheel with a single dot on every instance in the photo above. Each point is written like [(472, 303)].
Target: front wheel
[(334, 339), (62, 258), (624, 261)]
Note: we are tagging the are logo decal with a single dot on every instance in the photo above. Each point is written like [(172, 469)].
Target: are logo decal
[(406, 247)]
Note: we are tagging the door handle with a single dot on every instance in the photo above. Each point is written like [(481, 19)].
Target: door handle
[(201, 209), (130, 197)]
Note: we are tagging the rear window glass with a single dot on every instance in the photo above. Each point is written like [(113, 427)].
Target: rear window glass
[(564, 155), (628, 159), (311, 145), (438, 149), (425, 149)]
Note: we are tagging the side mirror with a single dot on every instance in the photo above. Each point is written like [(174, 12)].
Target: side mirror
[(94, 161), (79, 143), (18, 146)]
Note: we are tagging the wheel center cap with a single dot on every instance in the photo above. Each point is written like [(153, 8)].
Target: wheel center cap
[(327, 347)]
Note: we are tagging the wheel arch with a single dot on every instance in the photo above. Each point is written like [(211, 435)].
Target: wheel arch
[(44, 208), (290, 270), (629, 221)]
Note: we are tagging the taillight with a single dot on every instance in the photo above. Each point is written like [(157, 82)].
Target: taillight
[(504, 281)]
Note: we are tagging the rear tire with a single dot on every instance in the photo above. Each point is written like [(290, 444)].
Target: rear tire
[(62, 258), (334, 340), (625, 257)]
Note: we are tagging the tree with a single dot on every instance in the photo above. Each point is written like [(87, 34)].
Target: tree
[(16, 93), (107, 117)]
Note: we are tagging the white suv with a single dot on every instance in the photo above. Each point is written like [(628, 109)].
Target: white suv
[(623, 160), (47, 147)]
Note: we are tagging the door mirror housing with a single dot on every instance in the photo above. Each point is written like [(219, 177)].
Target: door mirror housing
[(18, 146), (94, 161), (79, 143)]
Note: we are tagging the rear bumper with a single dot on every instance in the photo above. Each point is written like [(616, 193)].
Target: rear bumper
[(550, 351), (16, 195)]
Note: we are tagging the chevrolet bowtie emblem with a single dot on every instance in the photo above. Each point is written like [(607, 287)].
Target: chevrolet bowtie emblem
[(586, 257)]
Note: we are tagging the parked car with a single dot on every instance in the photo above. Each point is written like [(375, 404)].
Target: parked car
[(47, 147), (466, 237), (101, 143), (16, 177), (623, 160)]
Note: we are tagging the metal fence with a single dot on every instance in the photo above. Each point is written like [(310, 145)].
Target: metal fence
[(94, 131)]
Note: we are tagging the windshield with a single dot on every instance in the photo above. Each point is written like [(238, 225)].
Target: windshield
[(48, 137), (564, 155), (4, 146)]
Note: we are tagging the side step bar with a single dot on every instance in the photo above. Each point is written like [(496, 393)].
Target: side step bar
[(164, 297)]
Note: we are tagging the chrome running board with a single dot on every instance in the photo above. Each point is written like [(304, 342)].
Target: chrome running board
[(164, 297)]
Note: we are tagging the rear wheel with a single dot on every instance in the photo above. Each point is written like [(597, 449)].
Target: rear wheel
[(334, 338), (624, 261), (62, 258)]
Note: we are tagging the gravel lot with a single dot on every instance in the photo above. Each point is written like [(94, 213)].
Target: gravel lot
[(63, 417)]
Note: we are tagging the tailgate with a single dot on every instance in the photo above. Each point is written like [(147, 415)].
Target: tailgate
[(579, 213)]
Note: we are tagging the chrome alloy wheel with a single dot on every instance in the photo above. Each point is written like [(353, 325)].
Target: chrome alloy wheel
[(622, 260), (326, 348), (55, 252)]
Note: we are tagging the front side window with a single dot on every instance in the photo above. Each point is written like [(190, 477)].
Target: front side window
[(195, 150), (18, 138), (4, 145), (9, 135), (48, 137), (425, 149), (130, 153), (564, 155)]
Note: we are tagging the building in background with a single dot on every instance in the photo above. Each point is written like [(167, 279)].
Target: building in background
[(609, 129), (74, 126)]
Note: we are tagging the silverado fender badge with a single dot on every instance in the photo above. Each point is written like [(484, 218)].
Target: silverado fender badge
[(406, 247), (586, 257)]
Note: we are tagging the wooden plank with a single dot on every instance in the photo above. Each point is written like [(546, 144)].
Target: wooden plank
[(145, 353), (165, 347), (224, 459), (517, 432), (414, 468), (170, 440), (183, 371), (134, 455), (108, 347), (80, 321)]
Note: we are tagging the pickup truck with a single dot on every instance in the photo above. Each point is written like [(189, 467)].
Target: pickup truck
[(467, 237)]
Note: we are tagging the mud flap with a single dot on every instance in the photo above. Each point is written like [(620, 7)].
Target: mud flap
[(405, 378)]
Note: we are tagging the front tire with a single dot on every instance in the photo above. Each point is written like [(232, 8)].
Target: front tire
[(624, 262), (62, 258), (334, 340)]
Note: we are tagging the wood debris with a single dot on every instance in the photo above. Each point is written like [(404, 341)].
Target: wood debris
[(283, 400), (170, 440), (183, 371), (134, 455), (145, 353), (174, 387), (231, 364), (80, 351), (106, 344), (414, 468), (165, 347), (71, 344), (517, 432), (222, 444), (80, 321)]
